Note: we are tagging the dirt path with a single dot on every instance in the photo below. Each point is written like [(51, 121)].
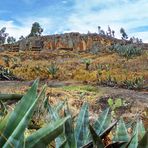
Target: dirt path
[(7, 86)]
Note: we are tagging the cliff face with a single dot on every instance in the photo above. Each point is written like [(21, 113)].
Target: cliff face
[(75, 41), (67, 41)]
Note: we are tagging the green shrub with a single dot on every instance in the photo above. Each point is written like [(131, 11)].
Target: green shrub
[(127, 51)]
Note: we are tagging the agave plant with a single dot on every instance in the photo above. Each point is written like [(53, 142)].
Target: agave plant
[(66, 133), (13, 126), (85, 135), (53, 69), (87, 63), (127, 51)]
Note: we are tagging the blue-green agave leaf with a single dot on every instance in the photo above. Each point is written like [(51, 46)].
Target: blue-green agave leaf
[(18, 114), (82, 123), (103, 121), (97, 141), (121, 132), (47, 134), (14, 138)]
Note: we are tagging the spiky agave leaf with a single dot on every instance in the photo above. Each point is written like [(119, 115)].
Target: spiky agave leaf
[(107, 130), (121, 132), (103, 121), (19, 112), (82, 123), (54, 117), (14, 138), (59, 106), (69, 129), (144, 141), (102, 135), (97, 141), (139, 132), (45, 135), (141, 129)]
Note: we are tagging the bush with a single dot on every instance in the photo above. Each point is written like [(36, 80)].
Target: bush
[(127, 51)]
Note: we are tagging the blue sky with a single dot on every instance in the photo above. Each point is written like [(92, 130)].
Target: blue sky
[(60, 16)]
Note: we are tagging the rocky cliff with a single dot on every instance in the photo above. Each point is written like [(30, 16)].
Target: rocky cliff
[(68, 41), (76, 41)]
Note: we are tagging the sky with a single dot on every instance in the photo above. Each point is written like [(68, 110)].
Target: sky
[(61, 16)]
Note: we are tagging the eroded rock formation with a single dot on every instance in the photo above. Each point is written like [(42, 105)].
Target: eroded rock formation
[(68, 41)]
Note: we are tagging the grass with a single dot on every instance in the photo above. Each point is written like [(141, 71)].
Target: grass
[(30, 65), (80, 88)]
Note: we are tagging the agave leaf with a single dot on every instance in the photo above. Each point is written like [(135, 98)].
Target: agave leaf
[(141, 130), (88, 145), (134, 141), (45, 135), (127, 145), (102, 135), (121, 132), (82, 123), (19, 112), (116, 144), (103, 121), (144, 141), (107, 131), (97, 142), (55, 116), (64, 144), (59, 106), (138, 132), (69, 129), (3, 123), (20, 128)]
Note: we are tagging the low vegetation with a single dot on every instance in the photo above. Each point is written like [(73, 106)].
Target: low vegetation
[(67, 131), (104, 69), (127, 51)]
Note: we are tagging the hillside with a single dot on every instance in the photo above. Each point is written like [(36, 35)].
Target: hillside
[(81, 74), (70, 52)]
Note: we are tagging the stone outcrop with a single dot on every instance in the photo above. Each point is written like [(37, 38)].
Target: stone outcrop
[(74, 41), (68, 41)]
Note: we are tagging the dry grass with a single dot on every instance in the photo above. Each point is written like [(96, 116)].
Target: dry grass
[(30, 65)]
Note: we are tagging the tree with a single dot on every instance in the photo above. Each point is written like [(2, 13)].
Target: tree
[(11, 40), (36, 30), (3, 35), (124, 35), (21, 37), (113, 33), (99, 29)]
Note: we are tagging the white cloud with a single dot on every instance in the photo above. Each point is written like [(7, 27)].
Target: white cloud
[(117, 14), (24, 26), (85, 16)]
